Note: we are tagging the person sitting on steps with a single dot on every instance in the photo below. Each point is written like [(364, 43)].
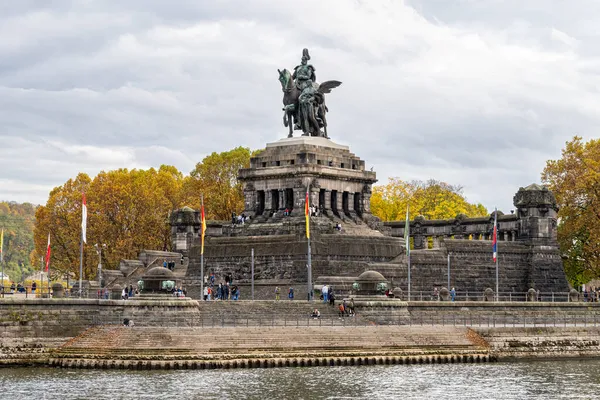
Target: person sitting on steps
[(316, 314)]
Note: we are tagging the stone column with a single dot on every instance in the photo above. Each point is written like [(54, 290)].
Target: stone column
[(327, 205), (299, 200), (436, 242), (351, 209), (250, 202), (314, 196), (366, 202), (354, 195), (340, 203), (268, 202), (282, 199)]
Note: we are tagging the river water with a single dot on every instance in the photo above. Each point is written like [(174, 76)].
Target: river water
[(519, 380)]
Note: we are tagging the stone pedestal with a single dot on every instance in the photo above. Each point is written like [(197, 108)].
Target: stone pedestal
[(295, 165)]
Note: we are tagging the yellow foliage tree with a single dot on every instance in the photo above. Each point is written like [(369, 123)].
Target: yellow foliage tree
[(61, 217), (575, 181), (432, 199), (127, 210), (215, 177)]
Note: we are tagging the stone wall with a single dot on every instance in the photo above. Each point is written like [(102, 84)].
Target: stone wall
[(521, 266), (280, 260), (492, 313), (22, 318), (508, 343)]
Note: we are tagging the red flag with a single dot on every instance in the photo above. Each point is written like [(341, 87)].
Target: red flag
[(48, 254), (203, 221)]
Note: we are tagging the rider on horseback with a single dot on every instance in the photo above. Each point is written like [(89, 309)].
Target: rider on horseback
[(305, 78)]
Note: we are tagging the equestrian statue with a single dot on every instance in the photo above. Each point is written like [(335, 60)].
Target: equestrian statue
[(304, 99)]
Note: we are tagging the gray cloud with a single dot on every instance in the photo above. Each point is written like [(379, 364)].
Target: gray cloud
[(477, 93)]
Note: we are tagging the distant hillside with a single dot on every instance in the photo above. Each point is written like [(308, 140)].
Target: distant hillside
[(17, 220)]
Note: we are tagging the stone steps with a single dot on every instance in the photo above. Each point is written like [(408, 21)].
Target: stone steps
[(211, 341)]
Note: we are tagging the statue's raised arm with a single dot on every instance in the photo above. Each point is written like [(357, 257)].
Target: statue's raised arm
[(304, 99)]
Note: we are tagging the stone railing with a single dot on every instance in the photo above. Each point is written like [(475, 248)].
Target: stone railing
[(460, 227)]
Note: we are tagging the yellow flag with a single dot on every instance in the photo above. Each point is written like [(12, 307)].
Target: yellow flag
[(307, 214), (203, 221)]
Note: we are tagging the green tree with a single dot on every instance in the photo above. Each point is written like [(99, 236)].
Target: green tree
[(17, 221), (575, 181)]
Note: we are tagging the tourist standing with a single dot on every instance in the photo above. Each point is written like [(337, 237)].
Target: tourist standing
[(205, 294), (276, 292), (291, 294), (452, 294), (324, 291)]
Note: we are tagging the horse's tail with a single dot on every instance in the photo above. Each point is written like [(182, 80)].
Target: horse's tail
[(285, 119)]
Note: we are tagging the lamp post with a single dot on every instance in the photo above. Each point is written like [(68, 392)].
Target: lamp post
[(99, 248)]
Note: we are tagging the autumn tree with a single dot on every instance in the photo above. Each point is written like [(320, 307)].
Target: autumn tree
[(61, 218), (215, 177), (127, 210), (432, 199), (575, 181)]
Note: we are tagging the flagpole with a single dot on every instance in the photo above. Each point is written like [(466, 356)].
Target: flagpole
[(497, 293), (407, 244), (309, 266), (448, 270), (202, 247), (80, 264), (2, 258), (409, 277), (83, 239), (495, 250), (308, 254)]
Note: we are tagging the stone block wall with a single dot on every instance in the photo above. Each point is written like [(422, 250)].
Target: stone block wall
[(281, 260), (22, 318)]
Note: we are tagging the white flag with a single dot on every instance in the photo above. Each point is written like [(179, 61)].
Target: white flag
[(83, 219), (407, 232)]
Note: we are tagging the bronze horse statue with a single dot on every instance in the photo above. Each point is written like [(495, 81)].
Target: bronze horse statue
[(308, 118)]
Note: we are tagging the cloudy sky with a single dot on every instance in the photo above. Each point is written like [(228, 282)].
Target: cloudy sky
[(473, 92)]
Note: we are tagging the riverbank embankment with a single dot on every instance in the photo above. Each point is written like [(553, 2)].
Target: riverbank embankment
[(171, 333)]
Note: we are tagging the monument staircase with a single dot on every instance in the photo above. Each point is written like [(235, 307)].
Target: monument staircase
[(246, 343)]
